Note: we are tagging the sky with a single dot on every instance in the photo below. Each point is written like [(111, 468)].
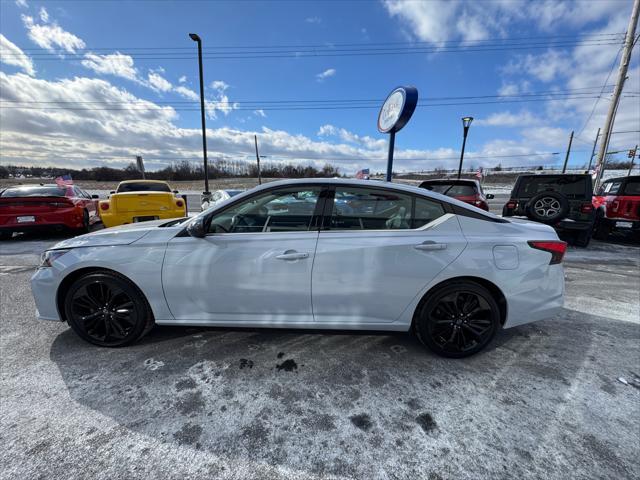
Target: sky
[(97, 82)]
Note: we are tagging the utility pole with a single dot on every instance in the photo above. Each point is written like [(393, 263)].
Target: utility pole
[(566, 157), (593, 152), (622, 76), (255, 139)]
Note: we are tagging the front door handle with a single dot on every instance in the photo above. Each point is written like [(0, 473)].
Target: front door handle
[(292, 255), (430, 246)]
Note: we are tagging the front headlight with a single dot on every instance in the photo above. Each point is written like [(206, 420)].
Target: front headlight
[(48, 257)]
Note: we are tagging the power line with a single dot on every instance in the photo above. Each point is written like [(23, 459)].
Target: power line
[(230, 106)]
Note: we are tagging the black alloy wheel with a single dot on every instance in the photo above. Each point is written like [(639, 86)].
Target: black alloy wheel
[(458, 320), (107, 310)]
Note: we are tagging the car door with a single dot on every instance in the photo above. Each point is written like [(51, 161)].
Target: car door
[(254, 265), (379, 248)]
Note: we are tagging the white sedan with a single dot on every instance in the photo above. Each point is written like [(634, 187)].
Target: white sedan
[(319, 253)]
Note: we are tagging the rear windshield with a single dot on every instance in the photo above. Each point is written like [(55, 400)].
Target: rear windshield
[(34, 192), (451, 189), (233, 193), (143, 187), (632, 187), (569, 185)]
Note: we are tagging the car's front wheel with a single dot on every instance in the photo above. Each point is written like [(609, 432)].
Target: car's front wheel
[(458, 319), (106, 309)]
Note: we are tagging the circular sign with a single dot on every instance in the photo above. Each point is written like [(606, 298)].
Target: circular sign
[(397, 109)]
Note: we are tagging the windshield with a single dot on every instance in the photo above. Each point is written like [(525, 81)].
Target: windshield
[(569, 185), (451, 189), (143, 187), (51, 191)]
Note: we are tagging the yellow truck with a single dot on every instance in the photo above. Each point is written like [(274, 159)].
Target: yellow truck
[(141, 200)]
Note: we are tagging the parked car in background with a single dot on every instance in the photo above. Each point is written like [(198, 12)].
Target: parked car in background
[(287, 255), (46, 207), (465, 190), (139, 201), (217, 197), (563, 201), (617, 205)]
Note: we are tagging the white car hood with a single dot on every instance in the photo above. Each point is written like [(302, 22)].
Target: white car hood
[(122, 235)]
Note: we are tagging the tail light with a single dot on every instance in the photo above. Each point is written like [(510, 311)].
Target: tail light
[(104, 206), (586, 208), (511, 204), (556, 248), (179, 203)]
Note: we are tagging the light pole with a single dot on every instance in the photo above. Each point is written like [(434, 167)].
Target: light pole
[(206, 192), (466, 123)]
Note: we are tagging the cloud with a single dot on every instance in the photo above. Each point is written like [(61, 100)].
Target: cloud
[(508, 119), (158, 83), (219, 85), (350, 137), (13, 55), (115, 64), (51, 36), (22, 3), (316, 20), (182, 79), (186, 93), (330, 72), (259, 113), (545, 67), (44, 15)]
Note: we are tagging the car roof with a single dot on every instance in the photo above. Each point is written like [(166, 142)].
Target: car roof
[(621, 179), (451, 180)]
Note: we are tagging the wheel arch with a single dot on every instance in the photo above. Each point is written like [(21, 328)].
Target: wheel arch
[(495, 291), (67, 281)]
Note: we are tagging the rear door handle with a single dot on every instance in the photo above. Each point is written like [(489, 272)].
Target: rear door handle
[(292, 255), (429, 246)]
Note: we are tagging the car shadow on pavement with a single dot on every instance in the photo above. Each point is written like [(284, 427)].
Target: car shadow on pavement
[(358, 404)]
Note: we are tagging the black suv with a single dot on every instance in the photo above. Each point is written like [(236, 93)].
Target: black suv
[(562, 201)]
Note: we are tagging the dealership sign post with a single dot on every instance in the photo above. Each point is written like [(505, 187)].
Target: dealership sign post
[(394, 114)]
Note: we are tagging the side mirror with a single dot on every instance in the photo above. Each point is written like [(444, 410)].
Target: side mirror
[(490, 196), (176, 192), (196, 228), (112, 192), (95, 196)]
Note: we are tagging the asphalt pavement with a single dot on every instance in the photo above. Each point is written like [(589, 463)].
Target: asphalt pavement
[(556, 399)]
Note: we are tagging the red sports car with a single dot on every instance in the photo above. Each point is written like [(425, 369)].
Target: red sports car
[(46, 207)]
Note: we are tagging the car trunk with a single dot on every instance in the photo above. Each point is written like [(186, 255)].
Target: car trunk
[(33, 205), (142, 202)]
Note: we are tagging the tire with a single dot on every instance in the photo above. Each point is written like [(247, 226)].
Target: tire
[(583, 238), (85, 222), (602, 228), (6, 235), (547, 207), (107, 310), (441, 325)]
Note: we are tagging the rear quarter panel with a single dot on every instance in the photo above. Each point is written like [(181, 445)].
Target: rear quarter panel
[(533, 289)]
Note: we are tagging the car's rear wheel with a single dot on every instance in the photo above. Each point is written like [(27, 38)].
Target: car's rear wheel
[(602, 228), (108, 310), (5, 235), (85, 222), (583, 237), (458, 319)]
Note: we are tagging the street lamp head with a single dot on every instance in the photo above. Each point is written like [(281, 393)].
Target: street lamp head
[(466, 121), (194, 37)]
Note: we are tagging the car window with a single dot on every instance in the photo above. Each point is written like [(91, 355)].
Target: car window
[(569, 185), (632, 187), (452, 189), (426, 211), (372, 209), (284, 210), (143, 187), (45, 191)]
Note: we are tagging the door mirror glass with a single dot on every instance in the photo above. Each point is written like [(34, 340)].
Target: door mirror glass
[(196, 228), (95, 196), (490, 196)]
